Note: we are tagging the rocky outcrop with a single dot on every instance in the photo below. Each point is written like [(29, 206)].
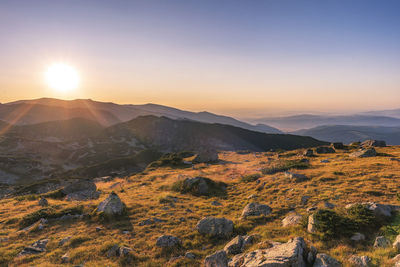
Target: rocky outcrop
[(373, 143), (312, 224), (364, 153), (324, 260), (291, 253), (206, 156), (36, 248), (43, 202), (378, 209), (360, 261), (296, 177), (167, 241), (218, 259), (325, 150), (201, 186), (381, 242), (236, 245), (292, 219), (308, 153), (256, 209), (215, 226), (81, 190), (112, 206), (396, 243)]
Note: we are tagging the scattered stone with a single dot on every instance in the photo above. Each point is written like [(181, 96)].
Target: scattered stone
[(43, 202), (324, 161), (65, 258), (167, 241), (216, 203), (329, 205), (364, 153), (218, 259), (373, 143), (357, 237), (325, 150), (292, 219), (215, 226), (291, 253), (360, 261), (296, 177), (81, 190), (206, 156), (308, 153), (324, 260), (190, 255), (256, 209), (64, 240), (381, 242), (36, 248), (337, 145), (311, 227), (124, 251), (396, 243), (112, 205)]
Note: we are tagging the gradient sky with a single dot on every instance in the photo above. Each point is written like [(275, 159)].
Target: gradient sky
[(240, 58)]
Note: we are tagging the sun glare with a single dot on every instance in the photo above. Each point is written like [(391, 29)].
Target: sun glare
[(62, 77)]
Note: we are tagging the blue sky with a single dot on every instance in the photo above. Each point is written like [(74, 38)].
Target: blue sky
[(236, 57)]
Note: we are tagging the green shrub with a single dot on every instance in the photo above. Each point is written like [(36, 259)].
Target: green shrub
[(250, 177), (332, 225), (214, 188), (285, 166), (363, 218)]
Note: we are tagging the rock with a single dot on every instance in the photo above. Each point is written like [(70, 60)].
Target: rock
[(218, 259), (206, 156), (113, 251), (329, 205), (150, 221), (255, 209), (324, 260), (378, 209), (364, 153), (200, 186), (296, 177), (308, 153), (396, 261), (337, 145), (324, 161), (252, 196), (36, 248), (234, 246), (43, 202), (325, 150), (304, 200), (81, 190), (311, 209), (357, 237), (292, 219), (64, 240), (167, 241), (381, 242), (215, 226), (190, 255), (311, 227), (216, 203), (312, 253), (396, 243), (288, 254), (65, 258), (360, 261), (124, 251), (112, 206), (373, 143)]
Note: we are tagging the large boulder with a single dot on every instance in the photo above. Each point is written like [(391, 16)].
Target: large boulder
[(236, 245), (288, 254), (360, 261), (206, 156), (201, 186), (381, 242), (379, 210), (312, 224), (373, 143), (325, 150), (292, 219), (296, 177), (337, 145), (215, 226), (396, 243), (81, 190), (167, 241), (324, 260), (112, 205), (218, 259), (364, 153), (256, 209)]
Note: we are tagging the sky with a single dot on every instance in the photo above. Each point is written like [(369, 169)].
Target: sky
[(241, 58)]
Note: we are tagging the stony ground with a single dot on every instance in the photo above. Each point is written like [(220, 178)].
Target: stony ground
[(335, 178)]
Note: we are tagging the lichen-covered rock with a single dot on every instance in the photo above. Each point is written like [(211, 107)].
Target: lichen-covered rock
[(167, 241), (360, 261), (288, 254), (324, 260), (364, 153), (373, 143), (381, 242), (256, 209), (36, 248), (215, 226), (378, 209), (112, 205), (292, 219), (312, 222), (81, 190), (206, 156), (218, 259)]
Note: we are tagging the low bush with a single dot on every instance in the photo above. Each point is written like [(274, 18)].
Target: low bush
[(285, 166)]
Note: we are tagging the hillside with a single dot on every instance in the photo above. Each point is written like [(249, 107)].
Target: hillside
[(154, 208), (348, 134), (108, 113)]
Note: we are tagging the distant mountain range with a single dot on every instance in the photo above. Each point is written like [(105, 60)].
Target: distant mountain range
[(105, 113)]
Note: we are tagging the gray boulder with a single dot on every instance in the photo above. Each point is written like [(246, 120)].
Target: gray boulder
[(381, 242), (296, 177), (337, 145), (112, 205), (167, 241), (81, 190), (324, 260), (312, 222), (396, 243), (364, 153), (308, 153), (36, 248), (218, 259), (325, 150), (201, 186), (378, 209), (237, 245), (215, 226), (373, 143), (256, 209), (357, 237), (206, 156), (292, 219), (43, 202), (288, 254), (360, 261)]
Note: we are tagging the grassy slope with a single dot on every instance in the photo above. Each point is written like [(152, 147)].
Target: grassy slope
[(344, 180)]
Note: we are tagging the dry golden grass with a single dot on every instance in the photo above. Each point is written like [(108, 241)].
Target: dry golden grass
[(341, 181)]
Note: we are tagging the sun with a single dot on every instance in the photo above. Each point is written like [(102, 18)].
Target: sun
[(62, 77)]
